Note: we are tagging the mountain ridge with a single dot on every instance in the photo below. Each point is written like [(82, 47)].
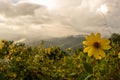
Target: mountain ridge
[(64, 42)]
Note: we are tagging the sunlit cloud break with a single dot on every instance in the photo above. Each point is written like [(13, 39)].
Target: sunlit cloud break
[(103, 8)]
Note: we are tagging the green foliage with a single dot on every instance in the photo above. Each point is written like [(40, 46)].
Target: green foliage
[(21, 62), (115, 40), (88, 68)]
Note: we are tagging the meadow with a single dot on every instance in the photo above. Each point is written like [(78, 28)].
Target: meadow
[(98, 60)]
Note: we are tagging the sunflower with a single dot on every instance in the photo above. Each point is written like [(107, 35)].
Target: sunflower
[(95, 45)]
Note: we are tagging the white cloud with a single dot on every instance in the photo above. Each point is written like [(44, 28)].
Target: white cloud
[(73, 17)]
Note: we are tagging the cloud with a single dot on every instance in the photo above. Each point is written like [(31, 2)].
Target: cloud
[(85, 19), (24, 18), (7, 33), (9, 9)]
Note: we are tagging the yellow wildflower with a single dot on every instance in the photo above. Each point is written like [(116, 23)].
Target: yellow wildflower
[(59, 70), (11, 51), (44, 68), (95, 45), (3, 41), (68, 49), (0, 47), (49, 51), (119, 55), (1, 69), (18, 58), (14, 75), (11, 58)]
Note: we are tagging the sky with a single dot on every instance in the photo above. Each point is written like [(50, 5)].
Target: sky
[(45, 19)]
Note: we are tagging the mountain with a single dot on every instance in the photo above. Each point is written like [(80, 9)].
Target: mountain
[(64, 42)]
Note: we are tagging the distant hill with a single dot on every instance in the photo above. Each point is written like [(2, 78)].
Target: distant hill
[(64, 42)]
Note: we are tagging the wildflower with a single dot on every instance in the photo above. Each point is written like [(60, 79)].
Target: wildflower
[(68, 49), (14, 75), (18, 58), (11, 58), (44, 68), (1, 68), (11, 51), (0, 47), (95, 45), (119, 55), (3, 41), (49, 51)]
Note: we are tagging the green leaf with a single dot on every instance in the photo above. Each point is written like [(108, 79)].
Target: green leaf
[(85, 76), (88, 68), (88, 76), (82, 76)]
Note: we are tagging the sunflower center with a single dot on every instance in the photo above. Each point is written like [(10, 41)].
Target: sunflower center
[(96, 45)]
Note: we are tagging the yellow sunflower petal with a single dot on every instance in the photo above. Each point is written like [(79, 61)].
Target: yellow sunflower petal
[(92, 34), (90, 52), (105, 41), (85, 42), (88, 43), (102, 53), (100, 57), (87, 37), (87, 49), (96, 54), (106, 47), (98, 35)]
